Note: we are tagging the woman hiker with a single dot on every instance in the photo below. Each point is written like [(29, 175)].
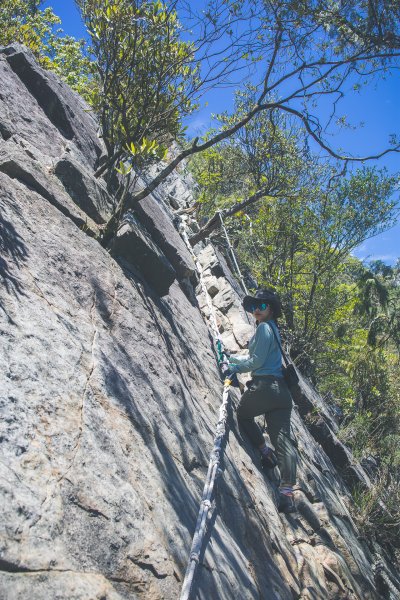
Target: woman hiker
[(267, 394)]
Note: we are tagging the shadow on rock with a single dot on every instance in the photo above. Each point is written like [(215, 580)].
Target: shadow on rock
[(12, 250)]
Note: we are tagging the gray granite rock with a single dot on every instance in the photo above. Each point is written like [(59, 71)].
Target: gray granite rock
[(212, 259), (53, 584), (19, 162), (208, 260), (152, 213), (21, 114), (89, 193), (234, 324), (64, 108), (108, 418), (212, 285), (134, 244), (109, 399), (225, 298), (177, 189)]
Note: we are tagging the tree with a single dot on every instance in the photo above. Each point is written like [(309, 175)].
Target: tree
[(378, 304), (271, 160), (360, 364), (296, 235), (303, 242), (16, 17), (141, 63), (25, 22), (305, 52)]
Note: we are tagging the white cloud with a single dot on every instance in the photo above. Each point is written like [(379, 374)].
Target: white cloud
[(362, 248), (197, 126), (362, 254), (383, 257)]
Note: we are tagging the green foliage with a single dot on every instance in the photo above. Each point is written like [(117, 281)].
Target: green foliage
[(23, 21), (298, 237), (294, 53), (71, 61), (222, 174), (143, 68), (378, 303), (341, 318), (374, 405), (264, 154), (20, 22)]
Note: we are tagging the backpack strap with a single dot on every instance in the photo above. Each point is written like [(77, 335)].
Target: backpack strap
[(285, 358)]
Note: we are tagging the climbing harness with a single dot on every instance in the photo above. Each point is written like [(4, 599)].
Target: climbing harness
[(214, 469)]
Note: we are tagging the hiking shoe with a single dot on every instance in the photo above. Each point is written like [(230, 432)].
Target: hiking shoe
[(268, 460), (286, 503)]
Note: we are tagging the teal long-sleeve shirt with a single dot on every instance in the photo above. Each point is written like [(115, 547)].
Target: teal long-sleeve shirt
[(264, 357)]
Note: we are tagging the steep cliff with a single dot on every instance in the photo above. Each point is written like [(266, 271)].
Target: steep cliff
[(110, 394)]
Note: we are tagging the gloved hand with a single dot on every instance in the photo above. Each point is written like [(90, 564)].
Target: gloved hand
[(233, 378), (229, 373)]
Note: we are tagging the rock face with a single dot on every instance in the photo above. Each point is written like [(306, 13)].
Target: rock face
[(62, 107), (88, 193), (110, 393), (133, 243), (154, 216)]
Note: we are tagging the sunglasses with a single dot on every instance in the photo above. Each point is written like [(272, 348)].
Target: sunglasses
[(259, 305)]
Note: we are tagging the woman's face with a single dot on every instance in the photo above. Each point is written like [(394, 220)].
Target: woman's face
[(260, 314)]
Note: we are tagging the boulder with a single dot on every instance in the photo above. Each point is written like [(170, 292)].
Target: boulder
[(134, 244), (339, 454), (154, 217), (208, 259), (89, 193), (177, 189), (211, 258), (225, 298), (244, 327), (212, 285), (20, 163), (63, 107)]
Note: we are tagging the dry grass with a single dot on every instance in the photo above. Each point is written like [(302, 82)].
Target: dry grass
[(377, 511)]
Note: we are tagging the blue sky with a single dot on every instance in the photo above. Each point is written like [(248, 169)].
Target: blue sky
[(377, 107)]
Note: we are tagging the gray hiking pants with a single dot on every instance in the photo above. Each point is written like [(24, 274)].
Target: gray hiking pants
[(270, 396)]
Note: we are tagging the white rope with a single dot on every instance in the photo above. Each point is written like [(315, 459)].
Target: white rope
[(381, 571), (234, 261), (205, 505), (233, 255), (215, 458), (199, 269)]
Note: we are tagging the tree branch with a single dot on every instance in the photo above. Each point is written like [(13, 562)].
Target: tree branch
[(214, 222), (323, 145)]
